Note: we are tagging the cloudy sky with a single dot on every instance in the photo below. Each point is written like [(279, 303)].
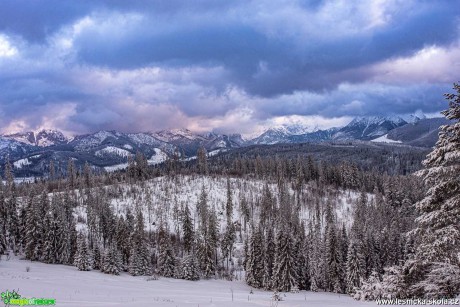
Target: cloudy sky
[(227, 66)]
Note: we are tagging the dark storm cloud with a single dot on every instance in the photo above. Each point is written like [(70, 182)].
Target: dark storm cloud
[(317, 65), (143, 65), (36, 20)]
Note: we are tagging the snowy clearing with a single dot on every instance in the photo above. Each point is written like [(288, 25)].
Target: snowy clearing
[(20, 163), (71, 287), (159, 196), (116, 167), (385, 139), (159, 157)]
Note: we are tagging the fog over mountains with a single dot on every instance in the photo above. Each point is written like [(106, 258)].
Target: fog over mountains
[(31, 152)]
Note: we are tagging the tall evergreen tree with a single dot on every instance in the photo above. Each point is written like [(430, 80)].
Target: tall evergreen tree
[(189, 268), (82, 257), (356, 266), (166, 259), (139, 260), (97, 257), (111, 261), (187, 229), (435, 265), (438, 226), (53, 241), (284, 276), (269, 259), (255, 262)]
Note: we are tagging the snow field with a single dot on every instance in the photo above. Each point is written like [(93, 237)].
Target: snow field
[(71, 287)]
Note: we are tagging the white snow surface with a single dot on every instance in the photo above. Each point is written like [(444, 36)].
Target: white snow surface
[(115, 167), (71, 287), (22, 162), (385, 139), (158, 157), (216, 152)]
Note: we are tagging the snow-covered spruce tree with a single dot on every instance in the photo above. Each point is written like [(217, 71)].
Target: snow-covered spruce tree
[(139, 260), (371, 289), (2, 221), (442, 280), (206, 258), (229, 236), (356, 266), (2, 239), (166, 259), (187, 229), (36, 230), (82, 257), (228, 241), (356, 258), (12, 222), (229, 203), (301, 258), (202, 210), (97, 257), (133, 268), (332, 256), (438, 227), (53, 238), (284, 272), (334, 261), (111, 261), (123, 238), (269, 259), (32, 232), (315, 253), (255, 262), (189, 268), (392, 285)]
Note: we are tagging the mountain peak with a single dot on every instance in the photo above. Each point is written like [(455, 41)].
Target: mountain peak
[(174, 134), (414, 118), (42, 137), (367, 128)]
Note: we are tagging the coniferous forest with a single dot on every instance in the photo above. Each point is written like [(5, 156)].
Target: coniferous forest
[(278, 222)]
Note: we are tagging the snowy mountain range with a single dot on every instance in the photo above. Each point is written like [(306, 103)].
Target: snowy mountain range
[(31, 151)]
